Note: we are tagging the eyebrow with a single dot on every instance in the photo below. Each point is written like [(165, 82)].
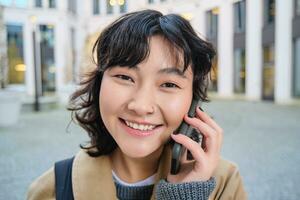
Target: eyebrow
[(169, 70), (172, 70)]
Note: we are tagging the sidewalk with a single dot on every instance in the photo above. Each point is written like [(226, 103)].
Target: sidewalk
[(262, 138)]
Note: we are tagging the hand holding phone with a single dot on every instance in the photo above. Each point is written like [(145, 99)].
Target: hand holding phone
[(189, 131)]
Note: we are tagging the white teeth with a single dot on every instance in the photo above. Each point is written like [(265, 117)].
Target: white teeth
[(139, 126)]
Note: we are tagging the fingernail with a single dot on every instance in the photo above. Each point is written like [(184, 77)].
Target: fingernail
[(174, 134), (200, 109), (187, 116)]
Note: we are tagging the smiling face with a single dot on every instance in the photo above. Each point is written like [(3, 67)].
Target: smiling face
[(143, 105)]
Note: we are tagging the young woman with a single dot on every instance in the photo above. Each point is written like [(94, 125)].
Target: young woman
[(149, 67)]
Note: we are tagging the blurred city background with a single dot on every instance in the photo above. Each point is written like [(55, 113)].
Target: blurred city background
[(45, 45)]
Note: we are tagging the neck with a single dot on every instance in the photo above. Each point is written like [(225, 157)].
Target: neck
[(133, 170)]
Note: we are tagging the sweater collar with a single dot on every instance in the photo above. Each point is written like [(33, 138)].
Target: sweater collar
[(92, 177)]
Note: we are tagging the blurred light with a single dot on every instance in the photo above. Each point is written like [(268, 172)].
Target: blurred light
[(187, 16), (112, 2), (52, 69), (49, 26), (215, 11), (242, 74), (33, 19), (121, 2), (5, 2), (21, 3), (20, 67)]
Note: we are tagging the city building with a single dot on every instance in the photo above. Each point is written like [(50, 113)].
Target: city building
[(257, 41)]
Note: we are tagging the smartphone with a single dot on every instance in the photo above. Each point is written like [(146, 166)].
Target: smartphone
[(189, 131)]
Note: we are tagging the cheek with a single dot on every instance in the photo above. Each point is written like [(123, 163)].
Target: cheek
[(104, 96), (109, 100), (104, 105), (111, 96), (175, 110)]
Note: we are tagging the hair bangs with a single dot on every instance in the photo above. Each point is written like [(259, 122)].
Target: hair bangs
[(172, 30), (126, 41)]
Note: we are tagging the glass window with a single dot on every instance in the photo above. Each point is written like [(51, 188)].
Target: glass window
[(213, 81), (269, 14), (110, 6), (16, 66), (96, 7), (47, 58), (239, 70), (72, 6), (212, 36), (268, 72), (38, 3), (297, 7), (52, 3), (6, 2), (296, 82), (73, 53), (239, 17), (212, 24), (150, 1), (123, 6)]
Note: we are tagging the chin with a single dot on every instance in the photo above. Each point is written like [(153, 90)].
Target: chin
[(138, 150)]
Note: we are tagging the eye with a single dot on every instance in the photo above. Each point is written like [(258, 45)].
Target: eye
[(124, 77), (170, 85)]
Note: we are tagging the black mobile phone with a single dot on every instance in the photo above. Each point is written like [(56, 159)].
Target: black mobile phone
[(189, 131)]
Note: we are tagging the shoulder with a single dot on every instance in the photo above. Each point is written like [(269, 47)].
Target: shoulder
[(229, 182), (43, 187), (226, 168)]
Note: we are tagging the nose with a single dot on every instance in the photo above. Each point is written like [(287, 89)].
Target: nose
[(142, 103)]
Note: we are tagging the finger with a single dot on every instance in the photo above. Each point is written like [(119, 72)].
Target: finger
[(195, 149), (212, 138), (183, 158), (201, 126), (207, 119)]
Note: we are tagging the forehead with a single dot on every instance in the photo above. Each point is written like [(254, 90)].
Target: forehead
[(163, 59), (164, 53)]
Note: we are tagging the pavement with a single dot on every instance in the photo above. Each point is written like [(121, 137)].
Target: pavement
[(262, 138)]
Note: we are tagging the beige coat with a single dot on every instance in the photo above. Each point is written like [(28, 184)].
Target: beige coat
[(92, 178)]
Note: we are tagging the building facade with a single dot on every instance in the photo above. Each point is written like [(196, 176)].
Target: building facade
[(257, 41)]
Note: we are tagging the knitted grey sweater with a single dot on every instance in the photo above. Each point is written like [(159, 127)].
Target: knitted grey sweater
[(165, 191)]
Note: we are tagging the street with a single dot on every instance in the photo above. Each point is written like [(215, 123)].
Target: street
[(261, 137)]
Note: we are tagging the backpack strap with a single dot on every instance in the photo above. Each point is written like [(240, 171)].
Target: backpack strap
[(63, 179)]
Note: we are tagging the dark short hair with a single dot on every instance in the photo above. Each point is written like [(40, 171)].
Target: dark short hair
[(125, 42)]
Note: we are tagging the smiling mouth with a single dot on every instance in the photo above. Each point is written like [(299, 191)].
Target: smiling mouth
[(139, 127)]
